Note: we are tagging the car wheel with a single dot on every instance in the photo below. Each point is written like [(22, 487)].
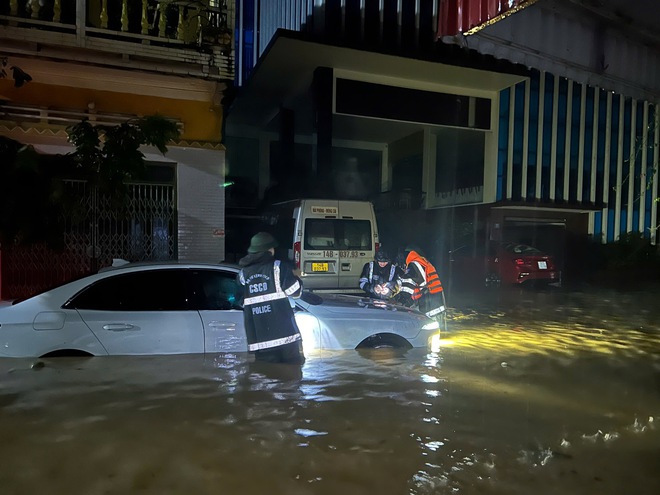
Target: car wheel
[(67, 353), (493, 280), (384, 340)]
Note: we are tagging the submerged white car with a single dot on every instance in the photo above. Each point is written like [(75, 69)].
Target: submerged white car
[(187, 308)]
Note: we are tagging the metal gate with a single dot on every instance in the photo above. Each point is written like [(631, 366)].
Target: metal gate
[(97, 229)]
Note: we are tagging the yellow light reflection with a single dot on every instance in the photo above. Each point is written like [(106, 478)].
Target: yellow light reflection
[(546, 338), (437, 342)]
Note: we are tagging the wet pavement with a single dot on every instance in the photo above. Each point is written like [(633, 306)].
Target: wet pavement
[(538, 392)]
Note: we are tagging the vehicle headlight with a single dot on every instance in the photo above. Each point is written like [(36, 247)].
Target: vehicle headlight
[(432, 325)]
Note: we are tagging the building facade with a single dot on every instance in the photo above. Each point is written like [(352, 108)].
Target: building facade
[(110, 62), (536, 125)]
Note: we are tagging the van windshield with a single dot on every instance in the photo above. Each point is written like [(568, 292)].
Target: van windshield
[(333, 233)]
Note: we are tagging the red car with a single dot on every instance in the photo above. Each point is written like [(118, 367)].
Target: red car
[(506, 263)]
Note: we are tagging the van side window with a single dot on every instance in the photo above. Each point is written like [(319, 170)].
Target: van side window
[(329, 233)]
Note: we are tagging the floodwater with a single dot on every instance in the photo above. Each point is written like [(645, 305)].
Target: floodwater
[(531, 392)]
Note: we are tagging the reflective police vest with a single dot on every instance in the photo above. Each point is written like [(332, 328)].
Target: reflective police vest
[(268, 316), (370, 275)]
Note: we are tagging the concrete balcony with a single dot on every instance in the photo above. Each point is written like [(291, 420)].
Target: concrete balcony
[(179, 37)]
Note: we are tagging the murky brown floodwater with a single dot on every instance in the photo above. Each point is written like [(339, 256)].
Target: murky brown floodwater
[(538, 393)]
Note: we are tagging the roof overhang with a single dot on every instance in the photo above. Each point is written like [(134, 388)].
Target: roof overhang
[(283, 78)]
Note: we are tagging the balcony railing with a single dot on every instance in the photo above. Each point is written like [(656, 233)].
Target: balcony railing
[(187, 31)]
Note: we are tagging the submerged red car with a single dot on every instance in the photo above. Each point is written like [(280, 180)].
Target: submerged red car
[(506, 263)]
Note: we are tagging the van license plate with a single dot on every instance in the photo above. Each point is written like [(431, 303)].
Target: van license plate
[(319, 267)]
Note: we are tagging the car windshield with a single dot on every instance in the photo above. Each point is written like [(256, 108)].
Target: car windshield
[(311, 298)]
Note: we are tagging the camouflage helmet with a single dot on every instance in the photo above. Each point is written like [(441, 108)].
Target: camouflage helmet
[(261, 242)]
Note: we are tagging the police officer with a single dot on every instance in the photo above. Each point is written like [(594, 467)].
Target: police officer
[(380, 278), (420, 285), (270, 326)]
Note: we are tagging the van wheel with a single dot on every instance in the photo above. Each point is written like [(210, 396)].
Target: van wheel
[(384, 340)]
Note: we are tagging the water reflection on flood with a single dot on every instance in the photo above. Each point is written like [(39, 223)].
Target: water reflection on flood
[(538, 394)]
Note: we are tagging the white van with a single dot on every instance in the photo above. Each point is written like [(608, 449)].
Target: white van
[(328, 240)]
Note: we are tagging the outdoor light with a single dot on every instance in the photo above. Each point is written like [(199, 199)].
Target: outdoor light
[(433, 325)]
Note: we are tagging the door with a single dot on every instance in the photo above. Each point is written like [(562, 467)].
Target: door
[(357, 248), (216, 296), (335, 251), (142, 312), (319, 256)]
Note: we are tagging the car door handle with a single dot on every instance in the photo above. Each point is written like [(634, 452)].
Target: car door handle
[(345, 267), (222, 324), (118, 327)]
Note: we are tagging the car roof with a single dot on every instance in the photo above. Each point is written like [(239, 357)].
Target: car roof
[(133, 266)]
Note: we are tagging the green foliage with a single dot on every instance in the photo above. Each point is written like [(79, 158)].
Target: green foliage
[(33, 201), (107, 156), (630, 250), (630, 260)]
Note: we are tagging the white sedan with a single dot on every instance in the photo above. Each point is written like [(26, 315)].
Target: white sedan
[(187, 308)]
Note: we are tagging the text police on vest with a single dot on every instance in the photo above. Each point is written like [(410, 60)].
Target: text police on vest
[(259, 310)]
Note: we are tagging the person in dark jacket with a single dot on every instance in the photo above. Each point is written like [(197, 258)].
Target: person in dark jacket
[(270, 325), (380, 278)]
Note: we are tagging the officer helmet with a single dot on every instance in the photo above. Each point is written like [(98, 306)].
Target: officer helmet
[(381, 255), (261, 242)]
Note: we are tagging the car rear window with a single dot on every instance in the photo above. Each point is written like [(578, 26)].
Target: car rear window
[(522, 249), (333, 233)]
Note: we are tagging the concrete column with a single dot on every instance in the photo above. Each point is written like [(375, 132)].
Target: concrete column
[(323, 96), (286, 159)]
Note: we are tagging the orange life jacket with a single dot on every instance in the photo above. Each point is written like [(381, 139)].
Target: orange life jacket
[(432, 281)]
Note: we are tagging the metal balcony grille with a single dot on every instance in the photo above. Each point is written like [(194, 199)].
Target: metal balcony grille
[(142, 228)]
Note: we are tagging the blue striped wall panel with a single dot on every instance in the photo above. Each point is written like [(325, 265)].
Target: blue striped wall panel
[(546, 145), (598, 219), (518, 140), (604, 155), (503, 142)]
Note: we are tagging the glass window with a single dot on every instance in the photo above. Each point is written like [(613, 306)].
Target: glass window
[(150, 290), (355, 234), (330, 233), (521, 249), (215, 290), (319, 234)]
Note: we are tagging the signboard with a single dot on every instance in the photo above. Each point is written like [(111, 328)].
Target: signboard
[(324, 210), (470, 16)]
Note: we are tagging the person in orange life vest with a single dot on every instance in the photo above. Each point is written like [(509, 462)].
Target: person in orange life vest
[(380, 278), (270, 326), (421, 286)]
